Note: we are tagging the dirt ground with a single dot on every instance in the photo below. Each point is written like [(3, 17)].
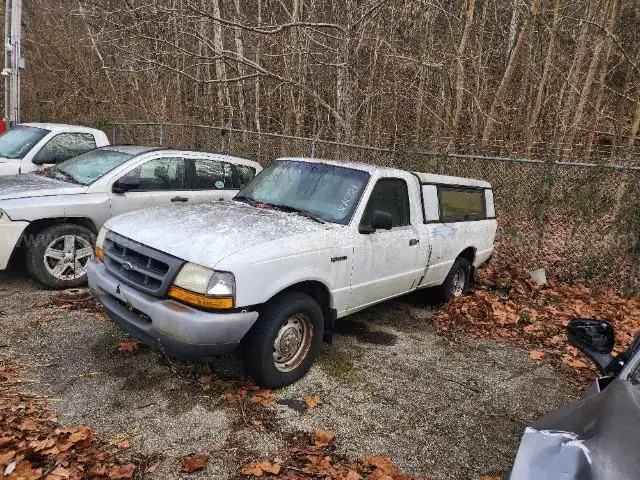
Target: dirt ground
[(389, 385)]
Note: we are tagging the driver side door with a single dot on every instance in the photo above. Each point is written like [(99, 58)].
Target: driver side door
[(159, 181), (386, 263)]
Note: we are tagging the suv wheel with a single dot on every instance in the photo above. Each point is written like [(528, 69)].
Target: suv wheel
[(59, 256), (457, 281), (284, 342)]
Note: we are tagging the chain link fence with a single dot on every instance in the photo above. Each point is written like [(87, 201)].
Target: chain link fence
[(579, 220)]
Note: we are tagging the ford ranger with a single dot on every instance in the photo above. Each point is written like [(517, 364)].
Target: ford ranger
[(306, 243)]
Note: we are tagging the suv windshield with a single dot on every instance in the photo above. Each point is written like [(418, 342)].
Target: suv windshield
[(19, 141), (328, 192), (88, 167)]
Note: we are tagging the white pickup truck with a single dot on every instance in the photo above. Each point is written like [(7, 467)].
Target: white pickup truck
[(28, 147), (307, 242)]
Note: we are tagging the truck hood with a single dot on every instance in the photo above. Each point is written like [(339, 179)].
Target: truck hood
[(31, 185), (208, 232)]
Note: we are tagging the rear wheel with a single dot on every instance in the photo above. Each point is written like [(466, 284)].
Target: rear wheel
[(457, 281), (59, 255), (284, 342)]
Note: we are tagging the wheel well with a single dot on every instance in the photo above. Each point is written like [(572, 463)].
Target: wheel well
[(39, 225), (320, 293), (469, 254)]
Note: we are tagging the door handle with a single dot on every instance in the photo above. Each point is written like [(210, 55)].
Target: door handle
[(179, 199), (413, 241)]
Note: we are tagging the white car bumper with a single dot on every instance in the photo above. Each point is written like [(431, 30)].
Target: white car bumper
[(10, 233)]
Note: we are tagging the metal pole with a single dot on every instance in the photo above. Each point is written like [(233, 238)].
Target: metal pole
[(7, 59), (16, 60), (161, 132)]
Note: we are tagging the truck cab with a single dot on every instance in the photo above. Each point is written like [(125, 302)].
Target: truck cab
[(28, 147), (304, 244)]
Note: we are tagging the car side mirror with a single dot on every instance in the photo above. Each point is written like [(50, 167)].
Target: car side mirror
[(43, 157), (125, 184), (594, 338), (379, 220)]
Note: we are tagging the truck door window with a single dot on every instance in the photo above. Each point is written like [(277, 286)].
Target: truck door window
[(68, 145), (159, 174), (390, 195), (212, 175)]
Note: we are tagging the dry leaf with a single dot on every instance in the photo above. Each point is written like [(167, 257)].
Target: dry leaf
[(130, 345), (312, 402), (194, 463), (322, 437), (536, 354), (205, 379), (121, 471)]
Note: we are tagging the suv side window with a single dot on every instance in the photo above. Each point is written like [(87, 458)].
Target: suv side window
[(245, 175), (67, 145), (212, 175), (392, 196), (159, 174)]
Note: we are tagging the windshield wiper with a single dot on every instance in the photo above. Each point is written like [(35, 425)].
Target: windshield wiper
[(245, 199), (300, 211)]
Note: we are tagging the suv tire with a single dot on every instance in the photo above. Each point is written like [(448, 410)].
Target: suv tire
[(53, 258), (284, 342)]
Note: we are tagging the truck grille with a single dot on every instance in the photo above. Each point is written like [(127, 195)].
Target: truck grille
[(139, 266)]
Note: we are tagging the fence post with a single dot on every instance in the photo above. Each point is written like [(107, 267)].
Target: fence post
[(313, 145), (161, 133)]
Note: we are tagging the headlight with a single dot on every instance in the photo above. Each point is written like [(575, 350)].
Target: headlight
[(100, 242), (203, 287)]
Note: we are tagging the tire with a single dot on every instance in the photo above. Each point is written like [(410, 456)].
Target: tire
[(52, 248), (451, 286), (269, 366)]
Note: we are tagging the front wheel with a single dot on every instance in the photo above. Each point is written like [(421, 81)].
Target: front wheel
[(58, 256), (457, 281), (284, 342)]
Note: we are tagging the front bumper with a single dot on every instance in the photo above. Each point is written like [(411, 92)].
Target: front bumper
[(10, 233), (175, 328)]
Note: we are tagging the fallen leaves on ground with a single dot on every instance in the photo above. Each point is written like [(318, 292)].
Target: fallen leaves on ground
[(33, 445), (510, 306), (266, 398), (130, 345), (318, 459), (194, 463), (311, 402)]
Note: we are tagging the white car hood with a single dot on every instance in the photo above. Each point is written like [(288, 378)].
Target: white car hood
[(31, 185), (208, 232)]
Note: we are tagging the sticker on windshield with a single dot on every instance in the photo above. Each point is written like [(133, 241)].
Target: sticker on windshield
[(349, 197), (219, 184)]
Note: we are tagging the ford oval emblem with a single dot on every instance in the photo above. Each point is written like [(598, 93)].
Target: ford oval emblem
[(127, 267)]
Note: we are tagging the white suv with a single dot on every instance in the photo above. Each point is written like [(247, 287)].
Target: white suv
[(53, 216)]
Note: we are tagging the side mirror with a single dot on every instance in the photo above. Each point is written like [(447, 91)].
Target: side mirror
[(125, 184), (43, 157), (379, 220), (594, 338)]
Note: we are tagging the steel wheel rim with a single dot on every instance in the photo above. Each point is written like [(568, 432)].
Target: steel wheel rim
[(458, 282), (66, 257), (292, 343)]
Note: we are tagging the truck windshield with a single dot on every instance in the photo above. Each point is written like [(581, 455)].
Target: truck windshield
[(328, 192), (88, 167), (19, 141)]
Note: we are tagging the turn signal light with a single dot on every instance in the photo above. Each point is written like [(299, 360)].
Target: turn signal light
[(199, 300), (99, 254)]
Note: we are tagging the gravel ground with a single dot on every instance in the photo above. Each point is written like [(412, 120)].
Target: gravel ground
[(390, 385)]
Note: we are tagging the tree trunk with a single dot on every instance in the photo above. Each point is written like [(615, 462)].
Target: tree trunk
[(237, 35), (224, 98), (546, 71), (500, 95), (460, 72)]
